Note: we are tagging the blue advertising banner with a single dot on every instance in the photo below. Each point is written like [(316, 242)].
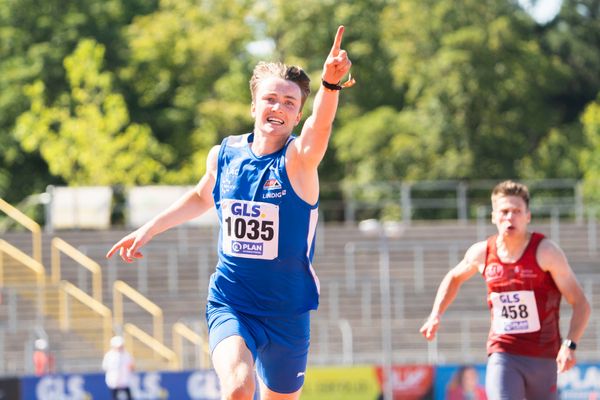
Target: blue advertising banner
[(581, 382), (187, 385), (452, 382)]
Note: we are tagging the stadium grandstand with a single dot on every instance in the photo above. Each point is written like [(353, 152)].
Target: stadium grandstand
[(378, 277)]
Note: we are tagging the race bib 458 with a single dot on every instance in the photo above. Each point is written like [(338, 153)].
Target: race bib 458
[(514, 312)]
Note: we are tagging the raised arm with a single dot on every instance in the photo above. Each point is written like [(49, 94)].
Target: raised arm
[(448, 289), (313, 141), (552, 259), (190, 205)]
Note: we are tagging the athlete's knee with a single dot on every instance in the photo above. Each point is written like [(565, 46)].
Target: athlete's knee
[(240, 391), (238, 385)]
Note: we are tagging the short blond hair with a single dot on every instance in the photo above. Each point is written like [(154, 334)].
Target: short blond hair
[(511, 188), (291, 73)]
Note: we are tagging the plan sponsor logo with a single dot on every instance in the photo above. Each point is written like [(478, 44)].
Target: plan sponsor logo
[(248, 248)]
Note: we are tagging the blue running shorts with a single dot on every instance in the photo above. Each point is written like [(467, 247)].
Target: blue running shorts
[(279, 345)]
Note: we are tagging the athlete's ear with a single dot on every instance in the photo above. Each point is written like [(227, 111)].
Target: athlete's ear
[(298, 118), (253, 109)]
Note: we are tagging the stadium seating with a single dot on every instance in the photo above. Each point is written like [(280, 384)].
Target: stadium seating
[(347, 328)]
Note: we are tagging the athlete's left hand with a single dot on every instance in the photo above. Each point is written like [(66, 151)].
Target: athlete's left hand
[(337, 64), (565, 360)]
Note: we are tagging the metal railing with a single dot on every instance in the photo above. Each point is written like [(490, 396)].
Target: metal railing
[(182, 331), (171, 261), (67, 289), (27, 223), (23, 259), (9, 299), (121, 289), (60, 246), (131, 331), (323, 328), (454, 199), (416, 248), (26, 261)]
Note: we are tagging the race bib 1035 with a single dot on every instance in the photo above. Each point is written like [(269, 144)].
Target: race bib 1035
[(250, 229)]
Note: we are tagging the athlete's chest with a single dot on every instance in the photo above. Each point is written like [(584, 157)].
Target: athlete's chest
[(245, 179), (520, 274)]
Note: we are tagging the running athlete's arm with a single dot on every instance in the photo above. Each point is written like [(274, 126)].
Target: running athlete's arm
[(552, 259), (305, 153), (450, 285), (189, 206), (314, 138)]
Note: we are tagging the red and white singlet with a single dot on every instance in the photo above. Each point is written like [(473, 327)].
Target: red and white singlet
[(524, 304)]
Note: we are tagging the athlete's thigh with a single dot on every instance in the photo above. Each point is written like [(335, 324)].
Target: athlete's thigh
[(232, 359), (503, 380), (232, 345), (281, 362), (540, 379)]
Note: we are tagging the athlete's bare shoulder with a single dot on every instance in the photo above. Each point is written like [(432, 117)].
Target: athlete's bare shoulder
[(550, 256), (212, 160), (475, 255)]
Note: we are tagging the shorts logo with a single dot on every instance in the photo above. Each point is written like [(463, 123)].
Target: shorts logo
[(238, 247), (272, 184)]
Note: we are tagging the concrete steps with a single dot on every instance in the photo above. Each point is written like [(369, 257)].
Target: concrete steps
[(175, 271)]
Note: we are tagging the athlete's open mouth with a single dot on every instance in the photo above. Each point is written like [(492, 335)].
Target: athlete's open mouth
[(277, 121)]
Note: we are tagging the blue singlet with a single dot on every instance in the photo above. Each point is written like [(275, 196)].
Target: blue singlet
[(267, 237)]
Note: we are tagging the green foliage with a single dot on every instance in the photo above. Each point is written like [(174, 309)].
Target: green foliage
[(308, 41), (477, 70), (590, 156), (85, 136), (185, 73), (573, 38), (138, 91), (35, 37), (556, 156)]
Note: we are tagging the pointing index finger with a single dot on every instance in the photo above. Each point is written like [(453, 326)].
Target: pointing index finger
[(337, 43)]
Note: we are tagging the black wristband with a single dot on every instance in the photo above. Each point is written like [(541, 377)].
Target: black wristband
[(568, 343), (330, 86)]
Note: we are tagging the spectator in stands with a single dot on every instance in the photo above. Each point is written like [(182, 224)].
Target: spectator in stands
[(465, 385), (526, 275), (265, 187), (43, 361), (118, 365)]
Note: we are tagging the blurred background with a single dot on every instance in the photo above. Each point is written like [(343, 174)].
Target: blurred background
[(108, 109)]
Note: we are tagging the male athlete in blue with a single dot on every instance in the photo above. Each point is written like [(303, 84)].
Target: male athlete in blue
[(265, 187)]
